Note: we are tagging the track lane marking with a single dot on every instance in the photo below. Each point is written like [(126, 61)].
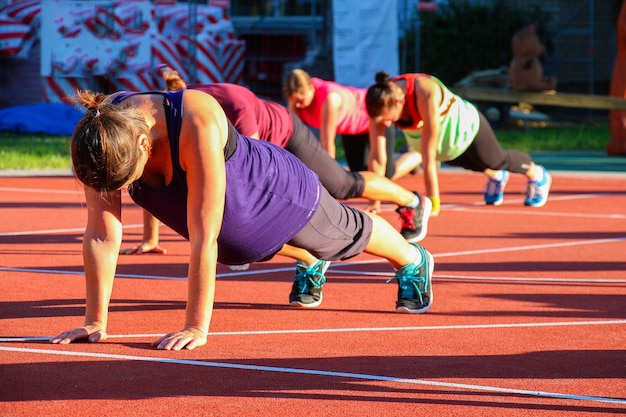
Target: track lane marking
[(332, 374), (346, 264), (14, 339)]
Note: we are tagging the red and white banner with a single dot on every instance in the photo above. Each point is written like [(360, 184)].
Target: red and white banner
[(13, 36), (58, 89), (26, 12), (224, 4), (85, 41)]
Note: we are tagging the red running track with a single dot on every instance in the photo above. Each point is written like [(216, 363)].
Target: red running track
[(529, 317)]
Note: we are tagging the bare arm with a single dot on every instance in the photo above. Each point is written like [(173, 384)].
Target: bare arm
[(328, 126), (203, 137), (101, 245), (377, 158), (291, 106), (428, 95)]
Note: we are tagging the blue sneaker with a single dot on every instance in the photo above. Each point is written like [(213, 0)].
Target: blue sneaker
[(415, 294), (306, 290), (494, 191), (537, 191)]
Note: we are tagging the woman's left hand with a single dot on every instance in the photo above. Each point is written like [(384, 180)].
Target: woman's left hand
[(144, 248), (188, 338), (373, 207)]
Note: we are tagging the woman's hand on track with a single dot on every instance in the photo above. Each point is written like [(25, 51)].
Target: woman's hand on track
[(188, 338), (373, 207), (144, 248), (92, 332)]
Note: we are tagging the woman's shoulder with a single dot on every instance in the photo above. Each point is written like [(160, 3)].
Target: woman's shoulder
[(199, 98), (114, 97)]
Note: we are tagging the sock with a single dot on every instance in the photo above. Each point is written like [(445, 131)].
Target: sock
[(499, 175), (418, 258), (415, 202), (537, 173), (416, 261)]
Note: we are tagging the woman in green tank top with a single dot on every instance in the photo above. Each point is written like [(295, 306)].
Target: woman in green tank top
[(444, 127)]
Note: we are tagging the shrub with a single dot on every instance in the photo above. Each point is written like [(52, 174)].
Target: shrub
[(464, 36)]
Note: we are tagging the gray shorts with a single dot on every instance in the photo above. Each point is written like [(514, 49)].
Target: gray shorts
[(335, 232)]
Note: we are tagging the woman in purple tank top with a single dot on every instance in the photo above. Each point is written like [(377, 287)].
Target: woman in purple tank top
[(235, 199), (271, 122)]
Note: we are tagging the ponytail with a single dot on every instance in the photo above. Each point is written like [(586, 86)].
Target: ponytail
[(104, 145), (381, 95)]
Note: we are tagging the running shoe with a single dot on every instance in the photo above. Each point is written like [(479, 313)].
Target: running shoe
[(306, 290), (415, 294), (494, 191), (414, 221), (537, 191)]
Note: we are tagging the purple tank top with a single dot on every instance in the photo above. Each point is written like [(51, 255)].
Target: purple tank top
[(270, 194)]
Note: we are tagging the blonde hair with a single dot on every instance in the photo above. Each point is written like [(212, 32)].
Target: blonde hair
[(382, 95), (104, 145), (296, 82)]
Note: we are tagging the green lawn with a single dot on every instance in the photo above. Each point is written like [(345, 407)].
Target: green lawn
[(584, 137), (18, 151)]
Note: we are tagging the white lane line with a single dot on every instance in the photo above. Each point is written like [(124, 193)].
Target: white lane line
[(517, 201), (52, 231), (487, 278), (469, 207), (340, 272), (44, 232), (332, 374), (531, 279), (532, 247), (346, 264), (41, 190), (66, 272), (8, 339), (541, 213)]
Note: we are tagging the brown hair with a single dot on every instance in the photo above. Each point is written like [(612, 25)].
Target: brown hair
[(173, 80), (104, 145), (296, 82), (382, 95)]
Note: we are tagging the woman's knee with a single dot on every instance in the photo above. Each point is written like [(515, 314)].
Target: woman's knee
[(352, 186)]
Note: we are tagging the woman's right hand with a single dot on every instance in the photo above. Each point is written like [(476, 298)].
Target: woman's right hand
[(189, 337), (92, 332)]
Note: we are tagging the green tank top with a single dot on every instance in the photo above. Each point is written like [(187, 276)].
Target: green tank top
[(459, 122)]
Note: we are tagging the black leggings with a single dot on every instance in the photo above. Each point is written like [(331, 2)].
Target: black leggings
[(340, 183), (485, 152), (357, 148)]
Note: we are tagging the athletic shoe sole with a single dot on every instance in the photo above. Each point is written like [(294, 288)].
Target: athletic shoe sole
[(309, 305)]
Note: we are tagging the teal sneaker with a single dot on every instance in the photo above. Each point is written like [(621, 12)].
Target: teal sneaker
[(306, 290), (415, 294), (537, 191), (494, 190)]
